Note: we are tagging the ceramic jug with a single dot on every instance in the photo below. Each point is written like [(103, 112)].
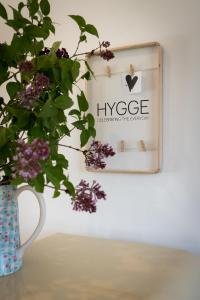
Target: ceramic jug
[(11, 250)]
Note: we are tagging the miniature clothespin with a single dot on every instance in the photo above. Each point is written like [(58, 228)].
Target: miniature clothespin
[(122, 146), (142, 146), (108, 71), (131, 70)]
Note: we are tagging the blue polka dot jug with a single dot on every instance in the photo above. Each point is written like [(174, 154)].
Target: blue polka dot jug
[(11, 251)]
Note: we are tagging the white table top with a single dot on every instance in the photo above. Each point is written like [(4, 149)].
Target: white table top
[(66, 267)]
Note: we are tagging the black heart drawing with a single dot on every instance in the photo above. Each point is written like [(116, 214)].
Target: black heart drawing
[(131, 81)]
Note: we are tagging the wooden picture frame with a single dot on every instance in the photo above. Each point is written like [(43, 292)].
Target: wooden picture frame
[(126, 100)]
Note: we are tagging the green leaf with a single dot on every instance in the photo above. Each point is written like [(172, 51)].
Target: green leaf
[(48, 23), (62, 161), (39, 183), (56, 193), (5, 153), (75, 69), (3, 136), (55, 46), (63, 102), (37, 132), (86, 75), (49, 115), (83, 38), (91, 29), (24, 120), (66, 76), (92, 131), (3, 12), (16, 13), (79, 20), (39, 45), (45, 61), (56, 74), (33, 7), (4, 70), (7, 56), (69, 186), (82, 102), (90, 119), (64, 130), (20, 6), (12, 88), (84, 137), (52, 28), (20, 46), (48, 110), (54, 174), (54, 150), (74, 112), (34, 31), (23, 116), (45, 7), (61, 118), (18, 20), (79, 124), (89, 69)]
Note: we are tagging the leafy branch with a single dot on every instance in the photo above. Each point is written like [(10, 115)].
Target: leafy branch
[(38, 111)]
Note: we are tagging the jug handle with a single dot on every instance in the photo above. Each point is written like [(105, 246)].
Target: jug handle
[(41, 218)]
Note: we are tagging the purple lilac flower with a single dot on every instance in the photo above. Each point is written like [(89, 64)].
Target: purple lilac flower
[(28, 96), (59, 53), (107, 54), (62, 53), (44, 51), (26, 67), (41, 82), (28, 156), (41, 148), (106, 44), (95, 155), (32, 92), (87, 196)]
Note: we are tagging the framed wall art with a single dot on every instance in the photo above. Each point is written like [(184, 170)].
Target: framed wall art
[(126, 100)]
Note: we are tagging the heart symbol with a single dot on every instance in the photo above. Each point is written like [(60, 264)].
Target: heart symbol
[(131, 81)]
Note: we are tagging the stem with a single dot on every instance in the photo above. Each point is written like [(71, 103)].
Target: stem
[(72, 129), (77, 87), (77, 46), (13, 75), (70, 147), (49, 186), (86, 53)]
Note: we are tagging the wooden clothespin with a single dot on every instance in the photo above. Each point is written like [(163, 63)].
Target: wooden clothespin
[(142, 146), (122, 146), (131, 70), (108, 71)]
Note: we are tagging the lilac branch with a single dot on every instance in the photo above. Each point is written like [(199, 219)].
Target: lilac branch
[(52, 187), (71, 147)]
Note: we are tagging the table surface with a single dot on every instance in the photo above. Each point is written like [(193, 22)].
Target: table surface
[(66, 267)]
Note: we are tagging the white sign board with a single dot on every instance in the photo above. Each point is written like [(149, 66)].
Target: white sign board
[(127, 107)]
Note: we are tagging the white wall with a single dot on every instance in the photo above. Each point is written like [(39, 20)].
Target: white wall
[(163, 208)]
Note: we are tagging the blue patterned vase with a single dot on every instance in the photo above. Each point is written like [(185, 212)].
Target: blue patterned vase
[(11, 252)]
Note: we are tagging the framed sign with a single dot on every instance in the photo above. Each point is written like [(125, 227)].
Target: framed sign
[(125, 99)]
